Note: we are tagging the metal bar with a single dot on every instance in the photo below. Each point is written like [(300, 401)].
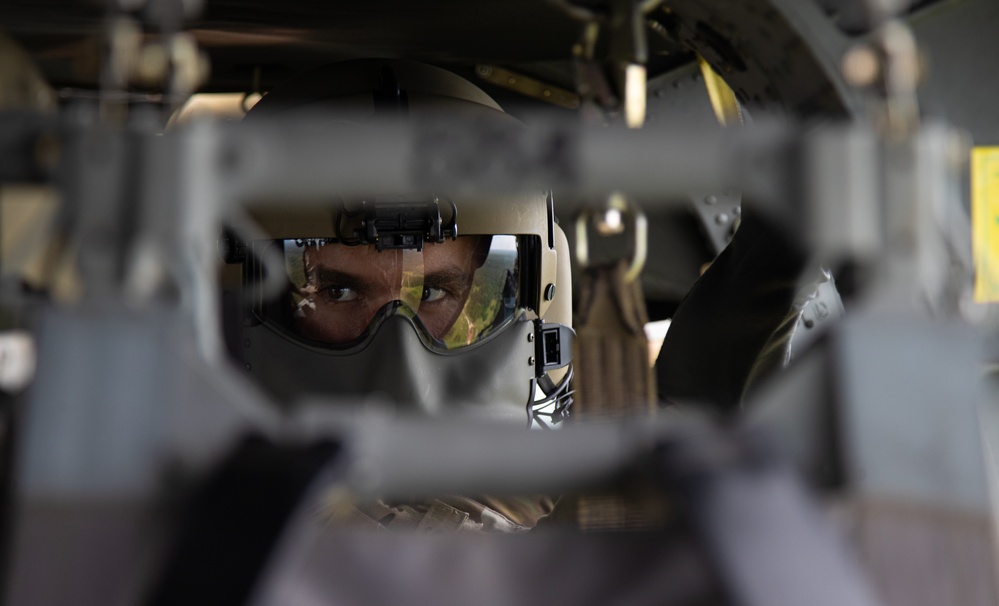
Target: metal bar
[(298, 160)]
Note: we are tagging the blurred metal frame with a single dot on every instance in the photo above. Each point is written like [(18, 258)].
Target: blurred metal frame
[(146, 212)]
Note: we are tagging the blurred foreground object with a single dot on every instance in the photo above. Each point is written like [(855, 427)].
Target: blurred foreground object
[(22, 85)]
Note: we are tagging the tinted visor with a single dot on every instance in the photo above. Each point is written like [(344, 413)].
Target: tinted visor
[(458, 292)]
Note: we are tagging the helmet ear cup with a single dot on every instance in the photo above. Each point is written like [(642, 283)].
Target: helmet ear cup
[(560, 305), (559, 308)]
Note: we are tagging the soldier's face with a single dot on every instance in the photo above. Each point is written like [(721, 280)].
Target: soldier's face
[(347, 285)]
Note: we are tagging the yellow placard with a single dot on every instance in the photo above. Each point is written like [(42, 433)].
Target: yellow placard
[(985, 222)]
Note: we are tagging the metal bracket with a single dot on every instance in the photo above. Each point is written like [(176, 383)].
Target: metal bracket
[(400, 225), (617, 218), (619, 79), (552, 345)]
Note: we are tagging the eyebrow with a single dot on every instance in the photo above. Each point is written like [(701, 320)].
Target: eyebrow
[(325, 276), (448, 277), (456, 279)]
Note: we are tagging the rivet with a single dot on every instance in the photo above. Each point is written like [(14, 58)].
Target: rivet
[(710, 199), (549, 292), (247, 366), (530, 337), (530, 361), (721, 218), (246, 343)]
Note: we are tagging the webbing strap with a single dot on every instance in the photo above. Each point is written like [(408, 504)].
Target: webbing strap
[(611, 352), (613, 378)]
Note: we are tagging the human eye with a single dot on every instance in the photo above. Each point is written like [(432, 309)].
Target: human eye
[(432, 294), (442, 287), (338, 287), (339, 294)]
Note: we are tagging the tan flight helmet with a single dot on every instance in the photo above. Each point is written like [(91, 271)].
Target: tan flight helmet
[(471, 308)]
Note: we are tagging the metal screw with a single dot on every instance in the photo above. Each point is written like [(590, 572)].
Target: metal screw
[(549, 292), (530, 337), (530, 361), (710, 199)]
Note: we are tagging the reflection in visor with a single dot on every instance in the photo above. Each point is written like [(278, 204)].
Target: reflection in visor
[(458, 290)]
